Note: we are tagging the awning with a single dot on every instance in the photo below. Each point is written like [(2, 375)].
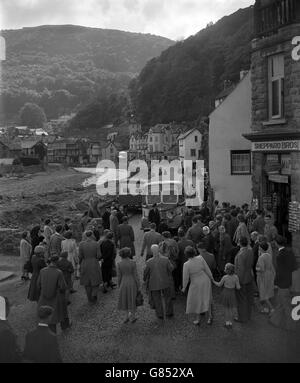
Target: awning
[(278, 178)]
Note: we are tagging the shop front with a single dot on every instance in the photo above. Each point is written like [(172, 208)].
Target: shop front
[(276, 182)]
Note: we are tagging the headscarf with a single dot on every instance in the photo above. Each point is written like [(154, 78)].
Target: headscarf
[(3, 308)]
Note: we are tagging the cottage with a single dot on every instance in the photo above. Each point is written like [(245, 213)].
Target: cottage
[(190, 146), (229, 151)]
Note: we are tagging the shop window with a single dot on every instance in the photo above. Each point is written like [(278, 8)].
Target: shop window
[(240, 162), (276, 86)]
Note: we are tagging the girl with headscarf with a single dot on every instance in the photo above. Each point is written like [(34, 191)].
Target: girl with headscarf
[(9, 350)]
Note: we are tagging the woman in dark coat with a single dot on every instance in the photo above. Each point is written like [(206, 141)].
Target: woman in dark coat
[(36, 237), (125, 235), (108, 255), (52, 285), (38, 263)]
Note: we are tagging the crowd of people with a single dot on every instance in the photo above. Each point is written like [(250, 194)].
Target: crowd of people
[(230, 247)]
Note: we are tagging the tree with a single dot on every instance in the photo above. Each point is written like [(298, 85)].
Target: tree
[(32, 116)]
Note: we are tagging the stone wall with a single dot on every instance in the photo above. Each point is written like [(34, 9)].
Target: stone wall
[(262, 48)]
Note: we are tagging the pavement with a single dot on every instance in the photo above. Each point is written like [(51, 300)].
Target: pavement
[(4, 275), (99, 335)]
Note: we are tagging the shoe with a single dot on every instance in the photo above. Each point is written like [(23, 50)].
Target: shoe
[(210, 321), (126, 320), (133, 320)]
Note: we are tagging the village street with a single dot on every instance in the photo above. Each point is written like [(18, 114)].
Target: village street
[(98, 334)]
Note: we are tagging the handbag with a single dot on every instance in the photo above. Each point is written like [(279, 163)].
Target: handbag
[(139, 300)]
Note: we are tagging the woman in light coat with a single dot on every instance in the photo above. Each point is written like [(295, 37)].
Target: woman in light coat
[(197, 272), (265, 278), (69, 245), (25, 254)]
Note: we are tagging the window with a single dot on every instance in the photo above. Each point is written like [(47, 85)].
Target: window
[(196, 138), (240, 162), (193, 152), (276, 86), (156, 139)]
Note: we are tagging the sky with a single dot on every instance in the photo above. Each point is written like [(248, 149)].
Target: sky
[(175, 19)]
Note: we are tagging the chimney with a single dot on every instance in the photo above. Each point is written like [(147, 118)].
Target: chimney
[(243, 73)]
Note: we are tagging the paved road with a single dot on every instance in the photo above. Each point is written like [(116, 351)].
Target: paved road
[(98, 334)]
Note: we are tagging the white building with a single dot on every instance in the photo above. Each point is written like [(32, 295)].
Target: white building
[(229, 151), (190, 146)]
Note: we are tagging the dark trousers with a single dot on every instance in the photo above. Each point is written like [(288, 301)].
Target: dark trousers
[(63, 324), (177, 276), (157, 297), (107, 273), (245, 301)]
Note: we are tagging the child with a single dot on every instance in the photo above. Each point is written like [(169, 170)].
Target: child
[(230, 281), (67, 268)]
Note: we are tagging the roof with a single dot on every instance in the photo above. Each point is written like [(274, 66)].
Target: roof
[(187, 133), (29, 144), (158, 128), (225, 92)]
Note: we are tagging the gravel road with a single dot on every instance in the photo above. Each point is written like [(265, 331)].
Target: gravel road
[(98, 334)]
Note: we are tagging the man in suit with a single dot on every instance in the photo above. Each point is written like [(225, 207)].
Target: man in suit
[(90, 271), (41, 344), (259, 222), (286, 264), (9, 350), (243, 267), (195, 233), (150, 238), (154, 215), (55, 241), (113, 225), (158, 278)]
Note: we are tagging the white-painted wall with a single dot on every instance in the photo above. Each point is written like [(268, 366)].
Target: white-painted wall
[(228, 122)]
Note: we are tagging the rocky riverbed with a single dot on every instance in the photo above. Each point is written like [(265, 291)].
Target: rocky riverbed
[(25, 201)]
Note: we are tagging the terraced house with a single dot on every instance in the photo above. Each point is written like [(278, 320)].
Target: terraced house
[(275, 127)]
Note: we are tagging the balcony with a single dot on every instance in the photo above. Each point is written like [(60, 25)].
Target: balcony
[(270, 15)]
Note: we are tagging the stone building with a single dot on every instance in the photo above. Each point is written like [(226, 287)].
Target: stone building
[(275, 127)]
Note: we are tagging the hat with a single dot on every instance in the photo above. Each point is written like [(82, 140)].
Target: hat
[(207, 229), (39, 249), (44, 312)]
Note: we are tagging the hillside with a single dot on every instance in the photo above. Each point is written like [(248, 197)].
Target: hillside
[(183, 81), (64, 67)]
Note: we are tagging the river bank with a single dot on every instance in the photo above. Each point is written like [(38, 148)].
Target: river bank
[(25, 201)]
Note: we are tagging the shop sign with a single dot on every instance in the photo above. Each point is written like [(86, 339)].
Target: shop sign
[(274, 146), (286, 164), (272, 163), (278, 178)]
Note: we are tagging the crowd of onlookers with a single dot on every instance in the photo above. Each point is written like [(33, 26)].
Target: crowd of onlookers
[(231, 247)]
